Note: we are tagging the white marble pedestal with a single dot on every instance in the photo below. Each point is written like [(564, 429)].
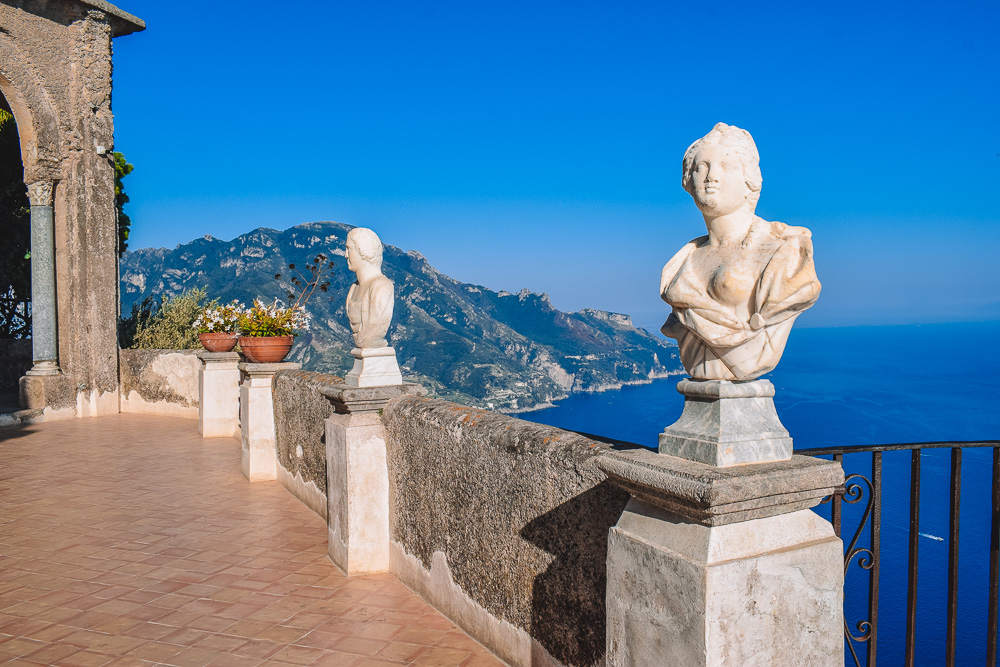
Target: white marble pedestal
[(762, 592), (259, 460), (374, 367), (723, 566), (358, 509), (219, 394), (726, 424)]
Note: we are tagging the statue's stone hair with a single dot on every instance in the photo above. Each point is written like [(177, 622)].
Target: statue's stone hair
[(744, 147), (367, 243)]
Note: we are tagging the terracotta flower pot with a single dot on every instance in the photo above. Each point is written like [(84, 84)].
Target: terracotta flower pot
[(265, 349), (218, 342)]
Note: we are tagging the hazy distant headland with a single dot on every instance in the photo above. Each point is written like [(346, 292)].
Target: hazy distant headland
[(464, 342)]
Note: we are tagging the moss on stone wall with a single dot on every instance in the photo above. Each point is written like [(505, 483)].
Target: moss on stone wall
[(300, 412), (519, 510)]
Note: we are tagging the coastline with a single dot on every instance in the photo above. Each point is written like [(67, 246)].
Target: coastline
[(598, 389)]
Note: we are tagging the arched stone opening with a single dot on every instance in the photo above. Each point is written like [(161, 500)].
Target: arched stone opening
[(15, 266), (55, 77), (37, 127)]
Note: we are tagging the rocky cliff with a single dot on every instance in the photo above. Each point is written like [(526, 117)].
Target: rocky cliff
[(464, 342)]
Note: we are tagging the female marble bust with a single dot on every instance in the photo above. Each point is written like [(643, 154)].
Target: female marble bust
[(736, 291), (370, 299)]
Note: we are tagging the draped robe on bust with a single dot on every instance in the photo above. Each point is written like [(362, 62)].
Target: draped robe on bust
[(714, 343), (369, 311)]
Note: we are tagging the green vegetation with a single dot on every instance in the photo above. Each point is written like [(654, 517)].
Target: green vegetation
[(166, 325), (122, 169)]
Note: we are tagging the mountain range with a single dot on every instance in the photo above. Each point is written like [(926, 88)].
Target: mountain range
[(464, 342)]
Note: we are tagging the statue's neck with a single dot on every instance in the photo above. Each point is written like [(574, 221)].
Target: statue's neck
[(366, 273), (730, 228)]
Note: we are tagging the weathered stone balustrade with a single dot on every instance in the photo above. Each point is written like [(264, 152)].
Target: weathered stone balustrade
[(500, 523), (551, 548)]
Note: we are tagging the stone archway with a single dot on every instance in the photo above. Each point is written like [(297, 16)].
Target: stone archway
[(67, 134), (38, 128)]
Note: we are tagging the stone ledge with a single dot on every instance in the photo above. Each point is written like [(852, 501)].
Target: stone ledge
[(715, 496), (263, 370), (207, 356), (347, 399)]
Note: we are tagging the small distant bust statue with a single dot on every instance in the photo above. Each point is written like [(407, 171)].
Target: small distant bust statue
[(370, 300), (735, 292)]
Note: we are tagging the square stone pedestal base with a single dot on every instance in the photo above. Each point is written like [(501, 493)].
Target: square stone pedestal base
[(374, 367), (760, 592), (259, 461), (357, 492), (219, 394), (726, 424)]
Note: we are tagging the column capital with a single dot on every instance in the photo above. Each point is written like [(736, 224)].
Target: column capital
[(40, 193), (347, 399), (716, 496)]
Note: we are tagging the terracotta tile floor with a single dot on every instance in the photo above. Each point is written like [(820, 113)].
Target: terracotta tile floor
[(129, 540)]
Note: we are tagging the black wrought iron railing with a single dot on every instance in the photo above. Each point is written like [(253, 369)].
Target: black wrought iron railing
[(865, 548), (15, 318)]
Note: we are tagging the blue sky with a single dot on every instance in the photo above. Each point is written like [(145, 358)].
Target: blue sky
[(539, 144)]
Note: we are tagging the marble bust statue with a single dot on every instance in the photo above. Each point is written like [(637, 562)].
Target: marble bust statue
[(370, 299), (736, 291)]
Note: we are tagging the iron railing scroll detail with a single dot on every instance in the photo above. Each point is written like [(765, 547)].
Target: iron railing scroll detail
[(866, 493)]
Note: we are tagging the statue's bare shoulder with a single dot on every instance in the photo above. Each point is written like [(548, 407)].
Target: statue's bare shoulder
[(671, 268), (789, 232)]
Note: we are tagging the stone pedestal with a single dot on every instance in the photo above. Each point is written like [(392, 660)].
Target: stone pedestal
[(259, 461), (727, 424), (357, 477), (374, 367), (718, 566), (219, 394)]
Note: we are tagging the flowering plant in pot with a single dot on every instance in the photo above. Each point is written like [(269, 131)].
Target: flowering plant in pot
[(267, 330), (217, 326)]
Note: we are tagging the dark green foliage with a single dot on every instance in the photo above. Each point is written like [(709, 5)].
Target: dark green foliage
[(15, 216), (166, 325), (122, 169)]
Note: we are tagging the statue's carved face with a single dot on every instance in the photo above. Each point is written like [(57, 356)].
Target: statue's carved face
[(718, 183), (353, 257)]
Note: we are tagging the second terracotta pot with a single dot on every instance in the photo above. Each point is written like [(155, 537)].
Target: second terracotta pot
[(265, 349)]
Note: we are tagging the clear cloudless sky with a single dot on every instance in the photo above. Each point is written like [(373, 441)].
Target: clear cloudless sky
[(538, 144)]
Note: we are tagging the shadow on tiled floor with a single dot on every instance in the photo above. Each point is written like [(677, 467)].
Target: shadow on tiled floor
[(129, 540)]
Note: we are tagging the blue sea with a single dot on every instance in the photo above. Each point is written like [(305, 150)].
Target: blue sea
[(860, 386)]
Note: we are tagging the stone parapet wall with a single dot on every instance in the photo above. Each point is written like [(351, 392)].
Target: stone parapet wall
[(160, 382), (503, 525), (300, 411), (15, 360)]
